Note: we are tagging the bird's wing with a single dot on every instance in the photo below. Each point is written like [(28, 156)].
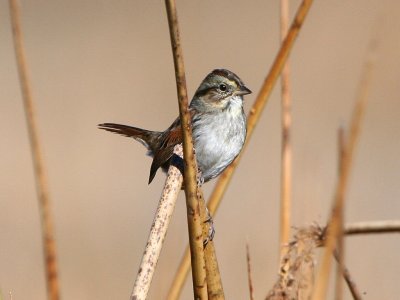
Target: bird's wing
[(169, 138)]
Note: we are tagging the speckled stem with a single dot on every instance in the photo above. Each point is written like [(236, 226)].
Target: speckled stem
[(158, 230)]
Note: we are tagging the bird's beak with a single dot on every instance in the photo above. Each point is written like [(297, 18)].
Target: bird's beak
[(243, 91)]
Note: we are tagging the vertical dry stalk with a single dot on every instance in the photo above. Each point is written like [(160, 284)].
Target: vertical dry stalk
[(254, 116), (192, 203), (214, 284), (340, 241), (249, 276), (286, 156), (158, 230), (214, 281), (341, 188), (49, 245)]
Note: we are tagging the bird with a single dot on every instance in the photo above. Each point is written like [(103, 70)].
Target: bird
[(218, 127)]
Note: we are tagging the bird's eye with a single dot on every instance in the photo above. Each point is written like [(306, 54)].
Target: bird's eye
[(222, 87)]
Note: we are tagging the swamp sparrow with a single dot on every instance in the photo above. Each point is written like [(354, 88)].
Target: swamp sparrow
[(218, 123)]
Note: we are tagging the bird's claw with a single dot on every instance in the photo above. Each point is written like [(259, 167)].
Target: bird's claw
[(211, 229), (200, 178)]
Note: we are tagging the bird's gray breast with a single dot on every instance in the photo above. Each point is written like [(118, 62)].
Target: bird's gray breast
[(218, 139)]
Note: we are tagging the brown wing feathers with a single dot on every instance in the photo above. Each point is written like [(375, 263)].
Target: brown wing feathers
[(160, 144)]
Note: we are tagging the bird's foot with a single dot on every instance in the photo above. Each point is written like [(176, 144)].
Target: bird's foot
[(211, 229)]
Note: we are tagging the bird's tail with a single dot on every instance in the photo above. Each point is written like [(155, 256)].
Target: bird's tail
[(148, 138)]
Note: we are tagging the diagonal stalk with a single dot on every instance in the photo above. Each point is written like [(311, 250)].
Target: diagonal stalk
[(158, 231)]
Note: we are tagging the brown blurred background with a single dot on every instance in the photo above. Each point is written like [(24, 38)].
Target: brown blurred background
[(110, 61)]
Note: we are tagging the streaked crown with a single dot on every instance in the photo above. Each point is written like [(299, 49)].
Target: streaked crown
[(217, 88)]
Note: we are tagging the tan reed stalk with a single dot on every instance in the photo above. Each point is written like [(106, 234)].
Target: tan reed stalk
[(158, 230), (214, 282), (254, 116), (286, 156), (46, 218), (190, 174), (341, 188), (391, 226), (340, 241), (249, 276)]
